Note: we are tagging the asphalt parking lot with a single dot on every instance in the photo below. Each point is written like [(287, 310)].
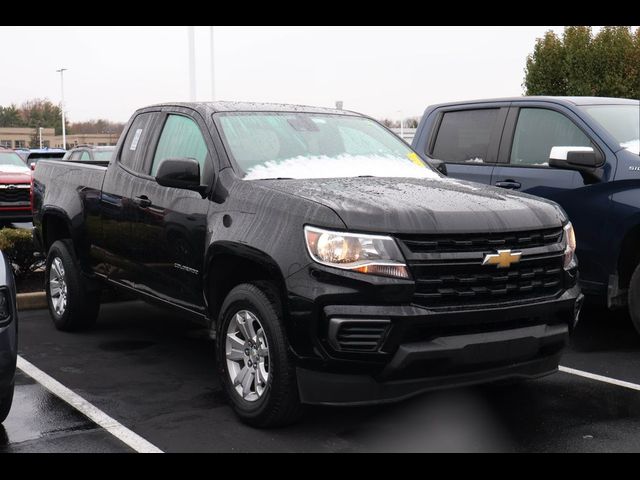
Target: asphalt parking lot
[(153, 374)]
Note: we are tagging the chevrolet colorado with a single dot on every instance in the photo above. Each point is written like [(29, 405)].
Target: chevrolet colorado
[(331, 264)]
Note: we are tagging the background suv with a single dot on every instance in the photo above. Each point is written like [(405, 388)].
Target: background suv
[(89, 153)]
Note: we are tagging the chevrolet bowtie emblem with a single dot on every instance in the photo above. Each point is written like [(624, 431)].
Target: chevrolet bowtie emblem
[(503, 259)]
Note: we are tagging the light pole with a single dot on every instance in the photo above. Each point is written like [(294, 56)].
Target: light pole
[(192, 63), (401, 124), (213, 83), (40, 136), (64, 130)]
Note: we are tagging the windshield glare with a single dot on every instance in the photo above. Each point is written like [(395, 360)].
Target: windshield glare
[(309, 145), (621, 121), (11, 158)]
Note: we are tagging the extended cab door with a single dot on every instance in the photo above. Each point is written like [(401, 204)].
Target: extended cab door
[(467, 139), (117, 249), (171, 223), (531, 131)]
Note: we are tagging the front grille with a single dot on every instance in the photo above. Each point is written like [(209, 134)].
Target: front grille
[(480, 242), (471, 283), (14, 195), (358, 335)]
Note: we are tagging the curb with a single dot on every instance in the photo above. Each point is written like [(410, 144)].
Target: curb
[(31, 300)]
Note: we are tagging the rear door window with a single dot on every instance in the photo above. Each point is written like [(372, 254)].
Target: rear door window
[(464, 136), (137, 141)]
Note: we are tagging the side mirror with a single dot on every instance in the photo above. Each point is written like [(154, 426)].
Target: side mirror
[(32, 166), (585, 160), (181, 173), (439, 165)]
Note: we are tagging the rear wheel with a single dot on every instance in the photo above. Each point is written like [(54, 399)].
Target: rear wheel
[(254, 360), (73, 304), (634, 298), (5, 403)]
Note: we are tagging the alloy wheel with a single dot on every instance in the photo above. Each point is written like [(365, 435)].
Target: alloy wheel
[(58, 286), (247, 355)]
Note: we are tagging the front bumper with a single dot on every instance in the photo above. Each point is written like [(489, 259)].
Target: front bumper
[(322, 388), (425, 349), (18, 214)]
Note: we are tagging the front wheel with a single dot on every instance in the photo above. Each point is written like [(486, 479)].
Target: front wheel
[(72, 304), (254, 360), (5, 403), (634, 298)]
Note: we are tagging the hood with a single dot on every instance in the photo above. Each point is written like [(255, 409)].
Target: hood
[(408, 205), (16, 176)]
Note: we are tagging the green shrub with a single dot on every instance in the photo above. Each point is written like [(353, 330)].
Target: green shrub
[(17, 245)]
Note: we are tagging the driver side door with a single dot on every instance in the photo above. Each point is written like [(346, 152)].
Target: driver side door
[(171, 223), (531, 131)]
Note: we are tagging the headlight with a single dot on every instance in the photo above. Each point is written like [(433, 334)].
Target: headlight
[(371, 254), (570, 250)]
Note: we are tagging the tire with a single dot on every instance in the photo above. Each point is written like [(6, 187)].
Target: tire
[(634, 298), (277, 403), (5, 403), (81, 303)]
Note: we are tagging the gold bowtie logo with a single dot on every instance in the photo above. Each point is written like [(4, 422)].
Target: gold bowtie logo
[(503, 259)]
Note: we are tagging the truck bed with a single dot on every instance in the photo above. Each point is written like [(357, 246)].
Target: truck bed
[(71, 184)]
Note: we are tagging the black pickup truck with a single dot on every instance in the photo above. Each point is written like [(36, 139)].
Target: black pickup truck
[(331, 264)]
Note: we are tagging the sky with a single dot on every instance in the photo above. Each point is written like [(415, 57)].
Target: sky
[(385, 72)]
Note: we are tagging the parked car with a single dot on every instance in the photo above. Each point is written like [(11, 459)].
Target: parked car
[(582, 152), (15, 185), (22, 152), (34, 155), (89, 153), (331, 264), (8, 336)]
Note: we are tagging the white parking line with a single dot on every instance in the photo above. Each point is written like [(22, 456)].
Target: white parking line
[(600, 378), (111, 425)]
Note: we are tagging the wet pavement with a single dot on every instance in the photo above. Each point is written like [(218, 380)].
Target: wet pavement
[(155, 374), (41, 422)]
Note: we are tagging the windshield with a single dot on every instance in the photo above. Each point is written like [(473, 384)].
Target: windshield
[(309, 145), (103, 155), (621, 121), (11, 159)]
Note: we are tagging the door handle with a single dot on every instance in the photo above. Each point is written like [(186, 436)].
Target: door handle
[(510, 184), (142, 201)]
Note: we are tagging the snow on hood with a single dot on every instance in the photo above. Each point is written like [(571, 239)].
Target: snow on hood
[(14, 169), (632, 145), (342, 166)]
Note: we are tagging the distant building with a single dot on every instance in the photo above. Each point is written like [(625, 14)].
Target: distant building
[(28, 138)]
